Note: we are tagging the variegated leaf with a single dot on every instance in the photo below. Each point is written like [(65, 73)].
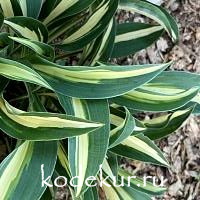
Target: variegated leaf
[(38, 47), (123, 125), (158, 98), (66, 8), (87, 152), (98, 82), (28, 28), (92, 28), (22, 168), (140, 148), (154, 12), (132, 37), (41, 126), (164, 125)]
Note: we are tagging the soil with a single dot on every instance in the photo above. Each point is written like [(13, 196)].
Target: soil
[(182, 148)]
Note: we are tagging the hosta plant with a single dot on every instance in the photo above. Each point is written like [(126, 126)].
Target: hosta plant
[(68, 112)]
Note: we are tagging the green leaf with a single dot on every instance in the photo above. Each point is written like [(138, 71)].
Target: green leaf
[(150, 98), (41, 126), (46, 195), (28, 28), (91, 194), (31, 8), (140, 148), (131, 194), (22, 168), (87, 152), (95, 82), (154, 12), (113, 163), (38, 47), (93, 27), (3, 83), (5, 44), (63, 162), (35, 103), (1, 19), (162, 126), (4, 40), (48, 6), (123, 127), (132, 37), (138, 184)]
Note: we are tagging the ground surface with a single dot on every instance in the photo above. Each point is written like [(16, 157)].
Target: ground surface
[(182, 149)]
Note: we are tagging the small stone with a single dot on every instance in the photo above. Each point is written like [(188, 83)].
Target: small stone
[(162, 44), (198, 33), (174, 6)]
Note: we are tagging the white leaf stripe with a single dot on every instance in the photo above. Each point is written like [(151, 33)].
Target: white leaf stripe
[(136, 34), (82, 144), (23, 5), (125, 125), (42, 126), (7, 8), (121, 193), (160, 89), (62, 156)]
